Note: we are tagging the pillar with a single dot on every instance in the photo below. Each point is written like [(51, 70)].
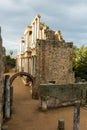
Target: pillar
[(26, 65), (20, 58), (22, 41), (76, 120), (38, 27), (20, 47), (61, 125), (30, 65), (44, 105), (35, 36), (35, 29), (27, 41), (32, 33)]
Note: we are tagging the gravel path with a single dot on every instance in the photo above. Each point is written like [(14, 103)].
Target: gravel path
[(27, 116)]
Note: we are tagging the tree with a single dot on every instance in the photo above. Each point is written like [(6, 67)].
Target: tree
[(11, 53), (10, 63), (80, 62)]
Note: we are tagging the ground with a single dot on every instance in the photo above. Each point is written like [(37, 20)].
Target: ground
[(27, 115)]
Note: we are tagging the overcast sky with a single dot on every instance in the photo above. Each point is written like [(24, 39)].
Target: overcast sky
[(69, 16)]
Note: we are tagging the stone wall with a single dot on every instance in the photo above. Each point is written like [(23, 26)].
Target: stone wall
[(54, 62), (52, 96), (2, 69), (49, 57), (1, 99)]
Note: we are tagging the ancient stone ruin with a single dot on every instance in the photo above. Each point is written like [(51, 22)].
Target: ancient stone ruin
[(48, 58), (5, 88), (45, 55)]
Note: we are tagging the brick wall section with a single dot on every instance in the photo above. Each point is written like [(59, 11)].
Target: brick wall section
[(54, 62)]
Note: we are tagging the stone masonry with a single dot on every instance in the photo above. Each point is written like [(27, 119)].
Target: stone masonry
[(2, 69), (53, 96), (54, 62), (45, 55)]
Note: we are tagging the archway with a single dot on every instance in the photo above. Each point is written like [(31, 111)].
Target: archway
[(17, 96), (12, 89), (31, 78)]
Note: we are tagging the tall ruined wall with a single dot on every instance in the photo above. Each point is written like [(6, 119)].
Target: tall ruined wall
[(2, 69), (54, 62)]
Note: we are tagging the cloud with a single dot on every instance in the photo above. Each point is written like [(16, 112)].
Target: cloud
[(68, 15)]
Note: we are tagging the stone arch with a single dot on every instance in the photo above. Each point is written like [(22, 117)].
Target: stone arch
[(22, 74)]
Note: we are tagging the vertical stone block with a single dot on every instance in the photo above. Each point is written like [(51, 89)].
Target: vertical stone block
[(2, 69), (51, 102), (44, 105), (76, 120)]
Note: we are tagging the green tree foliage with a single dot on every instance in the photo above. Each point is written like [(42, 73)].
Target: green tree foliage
[(11, 53), (10, 61), (80, 62)]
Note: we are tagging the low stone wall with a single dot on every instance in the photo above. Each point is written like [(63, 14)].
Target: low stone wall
[(52, 96)]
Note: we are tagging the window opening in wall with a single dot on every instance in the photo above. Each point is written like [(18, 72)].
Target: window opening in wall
[(53, 82)]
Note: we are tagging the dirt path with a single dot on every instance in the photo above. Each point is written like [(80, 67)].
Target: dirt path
[(27, 116)]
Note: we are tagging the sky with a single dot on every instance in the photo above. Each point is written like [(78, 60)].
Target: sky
[(69, 16)]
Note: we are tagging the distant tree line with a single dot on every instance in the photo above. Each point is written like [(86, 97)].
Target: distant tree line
[(80, 62)]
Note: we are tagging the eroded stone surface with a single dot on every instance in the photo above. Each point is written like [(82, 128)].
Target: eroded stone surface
[(2, 69)]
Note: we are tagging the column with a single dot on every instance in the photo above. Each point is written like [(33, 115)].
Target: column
[(20, 60), (76, 119), (33, 33), (26, 65), (20, 47), (30, 65), (35, 36), (33, 65), (27, 41), (23, 47), (38, 28), (61, 124), (20, 64), (22, 41)]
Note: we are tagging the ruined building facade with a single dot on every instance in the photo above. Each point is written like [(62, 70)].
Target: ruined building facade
[(45, 54)]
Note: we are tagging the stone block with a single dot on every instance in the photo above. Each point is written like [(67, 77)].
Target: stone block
[(51, 102), (44, 105), (57, 102), (63, 95)]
